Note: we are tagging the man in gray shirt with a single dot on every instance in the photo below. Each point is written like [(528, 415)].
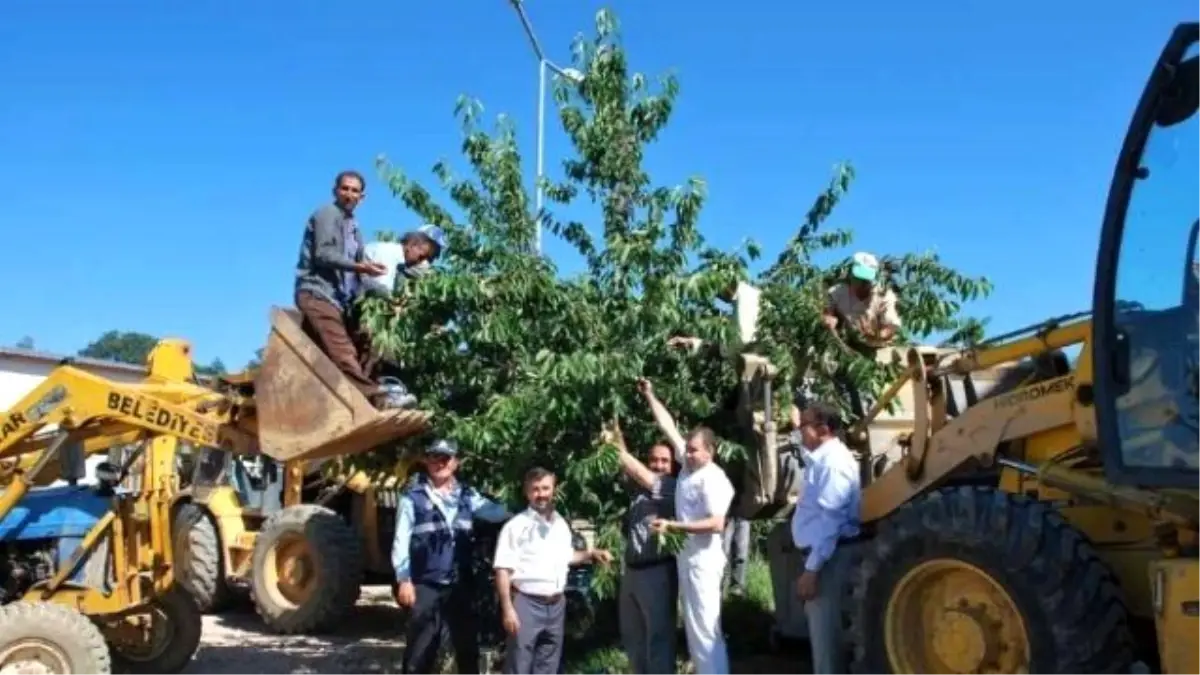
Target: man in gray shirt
[(649, 585), (329, 279)]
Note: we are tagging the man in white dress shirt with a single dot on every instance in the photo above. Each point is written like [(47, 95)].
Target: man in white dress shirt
[(703, 494), (825, 525), (533, 554)]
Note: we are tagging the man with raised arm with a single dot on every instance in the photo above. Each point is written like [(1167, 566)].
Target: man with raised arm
[(649, 585), (703, 494), (533, 556)]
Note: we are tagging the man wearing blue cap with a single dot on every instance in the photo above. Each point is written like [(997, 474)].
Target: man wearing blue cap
[(432, 555), (864, 305)]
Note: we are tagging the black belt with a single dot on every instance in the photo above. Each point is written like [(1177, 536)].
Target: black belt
[(541, 599), (648, 564)]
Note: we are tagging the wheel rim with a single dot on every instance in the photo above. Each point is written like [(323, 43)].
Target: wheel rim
[(291, 571), (33, 656), (949, 616)]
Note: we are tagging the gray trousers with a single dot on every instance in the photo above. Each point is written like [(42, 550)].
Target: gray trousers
[(736, 540), (647, 605), (537, 646), (824, 612)]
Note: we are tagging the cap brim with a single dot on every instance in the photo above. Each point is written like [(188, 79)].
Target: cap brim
[(863, 272)]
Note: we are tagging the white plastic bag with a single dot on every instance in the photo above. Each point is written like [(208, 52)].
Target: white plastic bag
[(391, 255)]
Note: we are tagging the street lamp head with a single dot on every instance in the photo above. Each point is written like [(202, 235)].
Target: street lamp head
[(572, 75)]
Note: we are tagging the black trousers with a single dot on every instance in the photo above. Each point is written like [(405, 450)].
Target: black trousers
[(440, 611)]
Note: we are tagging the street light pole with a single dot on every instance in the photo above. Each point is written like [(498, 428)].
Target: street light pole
[(541, 153), (544, 64)]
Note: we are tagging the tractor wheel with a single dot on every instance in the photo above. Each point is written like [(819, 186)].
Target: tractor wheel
[(199, 563), (307, 570), (974, 580), (42, 637), (176, 624)]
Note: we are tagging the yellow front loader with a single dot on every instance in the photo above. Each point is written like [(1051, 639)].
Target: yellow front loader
[(1052, 526), (87, 572), (301, 539)]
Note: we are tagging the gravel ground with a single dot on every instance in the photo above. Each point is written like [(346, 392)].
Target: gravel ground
[(370, 642)]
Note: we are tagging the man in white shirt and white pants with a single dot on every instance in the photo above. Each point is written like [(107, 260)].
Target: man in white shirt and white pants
[(533, 554), (703, 494), (825, 526)]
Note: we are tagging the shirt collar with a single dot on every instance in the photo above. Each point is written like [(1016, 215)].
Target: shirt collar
[(344, 211), (455, 487), (822, 449), (538, 518)]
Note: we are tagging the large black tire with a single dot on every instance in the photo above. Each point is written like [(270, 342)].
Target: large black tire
[(177, 627), (199, 563), (60, 637), (1066, 598), (335, 570)]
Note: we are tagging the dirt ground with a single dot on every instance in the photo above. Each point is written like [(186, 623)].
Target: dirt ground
[(371, 641)]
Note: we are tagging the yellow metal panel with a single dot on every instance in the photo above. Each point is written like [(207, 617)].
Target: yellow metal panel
[(1176, 585), (226, 508)]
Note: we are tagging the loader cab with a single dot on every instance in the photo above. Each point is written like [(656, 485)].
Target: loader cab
[(257, 480), (1147, 316)]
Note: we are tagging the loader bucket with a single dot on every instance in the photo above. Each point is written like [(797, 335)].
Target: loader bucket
[(307, 409)]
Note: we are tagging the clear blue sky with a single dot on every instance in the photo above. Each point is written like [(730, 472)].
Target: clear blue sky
[(161, 157)]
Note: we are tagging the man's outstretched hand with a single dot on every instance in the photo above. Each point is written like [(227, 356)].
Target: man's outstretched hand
[(644, 387), (684, 342), (611, 433), (370, 268)]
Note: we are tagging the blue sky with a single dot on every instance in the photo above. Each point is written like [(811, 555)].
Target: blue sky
[(162, 157)]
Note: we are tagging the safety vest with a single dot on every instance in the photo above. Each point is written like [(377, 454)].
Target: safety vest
[(440, 552)]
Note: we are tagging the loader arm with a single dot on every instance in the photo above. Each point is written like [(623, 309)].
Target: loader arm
[(940, 445), (101, 413), (93, 407)]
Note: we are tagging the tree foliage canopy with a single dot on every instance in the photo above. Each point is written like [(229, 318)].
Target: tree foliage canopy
[(522, 365), (134, 348)]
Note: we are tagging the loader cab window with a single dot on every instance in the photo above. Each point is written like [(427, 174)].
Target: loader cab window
[(1147, 313)]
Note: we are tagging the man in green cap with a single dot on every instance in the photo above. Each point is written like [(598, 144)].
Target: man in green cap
[(862, 304)]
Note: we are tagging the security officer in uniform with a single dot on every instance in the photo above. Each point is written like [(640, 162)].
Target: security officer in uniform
[(432, 555)]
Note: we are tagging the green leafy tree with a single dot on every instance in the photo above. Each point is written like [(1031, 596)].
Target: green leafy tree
[(126, 347), (523, 365), (134, 348), (216, 367), (255, 362)]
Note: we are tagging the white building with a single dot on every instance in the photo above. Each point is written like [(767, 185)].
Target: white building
[(21, 370)]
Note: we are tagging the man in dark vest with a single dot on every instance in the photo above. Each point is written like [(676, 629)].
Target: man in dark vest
[(432, 557)]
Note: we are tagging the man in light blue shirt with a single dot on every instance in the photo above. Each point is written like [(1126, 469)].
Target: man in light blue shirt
[(432, 555), (824, 526)]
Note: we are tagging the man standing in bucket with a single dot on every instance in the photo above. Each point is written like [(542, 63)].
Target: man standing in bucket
[(330, 274), (432, 555)]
